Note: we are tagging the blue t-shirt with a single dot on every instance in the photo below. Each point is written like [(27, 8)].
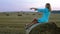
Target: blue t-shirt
[(45, 15)]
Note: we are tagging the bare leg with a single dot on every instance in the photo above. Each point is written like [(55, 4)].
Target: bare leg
[(30, 24)]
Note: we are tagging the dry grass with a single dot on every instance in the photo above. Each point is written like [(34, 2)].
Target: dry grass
[(14, 24)]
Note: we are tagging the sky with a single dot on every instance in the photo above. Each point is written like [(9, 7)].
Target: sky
[(24, 5)]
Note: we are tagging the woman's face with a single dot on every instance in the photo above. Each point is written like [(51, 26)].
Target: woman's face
[(47, 6)]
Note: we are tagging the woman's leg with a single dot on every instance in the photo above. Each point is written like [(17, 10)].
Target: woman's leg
[(32, 23)]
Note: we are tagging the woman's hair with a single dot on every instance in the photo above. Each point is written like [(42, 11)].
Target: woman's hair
[(48, 6)]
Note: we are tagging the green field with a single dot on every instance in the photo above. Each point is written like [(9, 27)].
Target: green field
[(14, 24)]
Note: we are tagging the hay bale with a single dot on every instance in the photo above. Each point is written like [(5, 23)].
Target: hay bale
[(39, 14), (7, 14), (46, 28), (23, 12), (19, 14), (33, 14), (58, 30)]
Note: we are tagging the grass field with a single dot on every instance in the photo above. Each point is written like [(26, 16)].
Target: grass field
[(14, 24)]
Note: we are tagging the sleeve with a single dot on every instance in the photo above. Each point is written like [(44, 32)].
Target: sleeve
[(40, 10)]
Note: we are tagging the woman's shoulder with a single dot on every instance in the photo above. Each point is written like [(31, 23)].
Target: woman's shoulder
[(46, 8), (43, 8)]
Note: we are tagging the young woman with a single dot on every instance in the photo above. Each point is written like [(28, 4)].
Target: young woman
[(45, 14)]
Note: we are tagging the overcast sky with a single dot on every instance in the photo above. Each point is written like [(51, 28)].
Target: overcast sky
[(18, 5)]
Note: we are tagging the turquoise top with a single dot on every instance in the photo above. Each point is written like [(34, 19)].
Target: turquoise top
[(45, 15)]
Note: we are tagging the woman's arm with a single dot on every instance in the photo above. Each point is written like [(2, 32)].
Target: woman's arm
[(38, 9), (33, 8)]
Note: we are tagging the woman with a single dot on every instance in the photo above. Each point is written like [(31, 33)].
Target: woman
[(45, 15)]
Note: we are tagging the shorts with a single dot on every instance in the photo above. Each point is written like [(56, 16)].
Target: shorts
[(41, 20)]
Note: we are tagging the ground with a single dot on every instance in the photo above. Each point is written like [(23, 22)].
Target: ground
[(14, 23)]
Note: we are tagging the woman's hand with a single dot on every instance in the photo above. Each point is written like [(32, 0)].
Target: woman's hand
[(33, 8)]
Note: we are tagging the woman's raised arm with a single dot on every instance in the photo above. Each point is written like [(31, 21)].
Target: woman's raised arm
[(33, 8)]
